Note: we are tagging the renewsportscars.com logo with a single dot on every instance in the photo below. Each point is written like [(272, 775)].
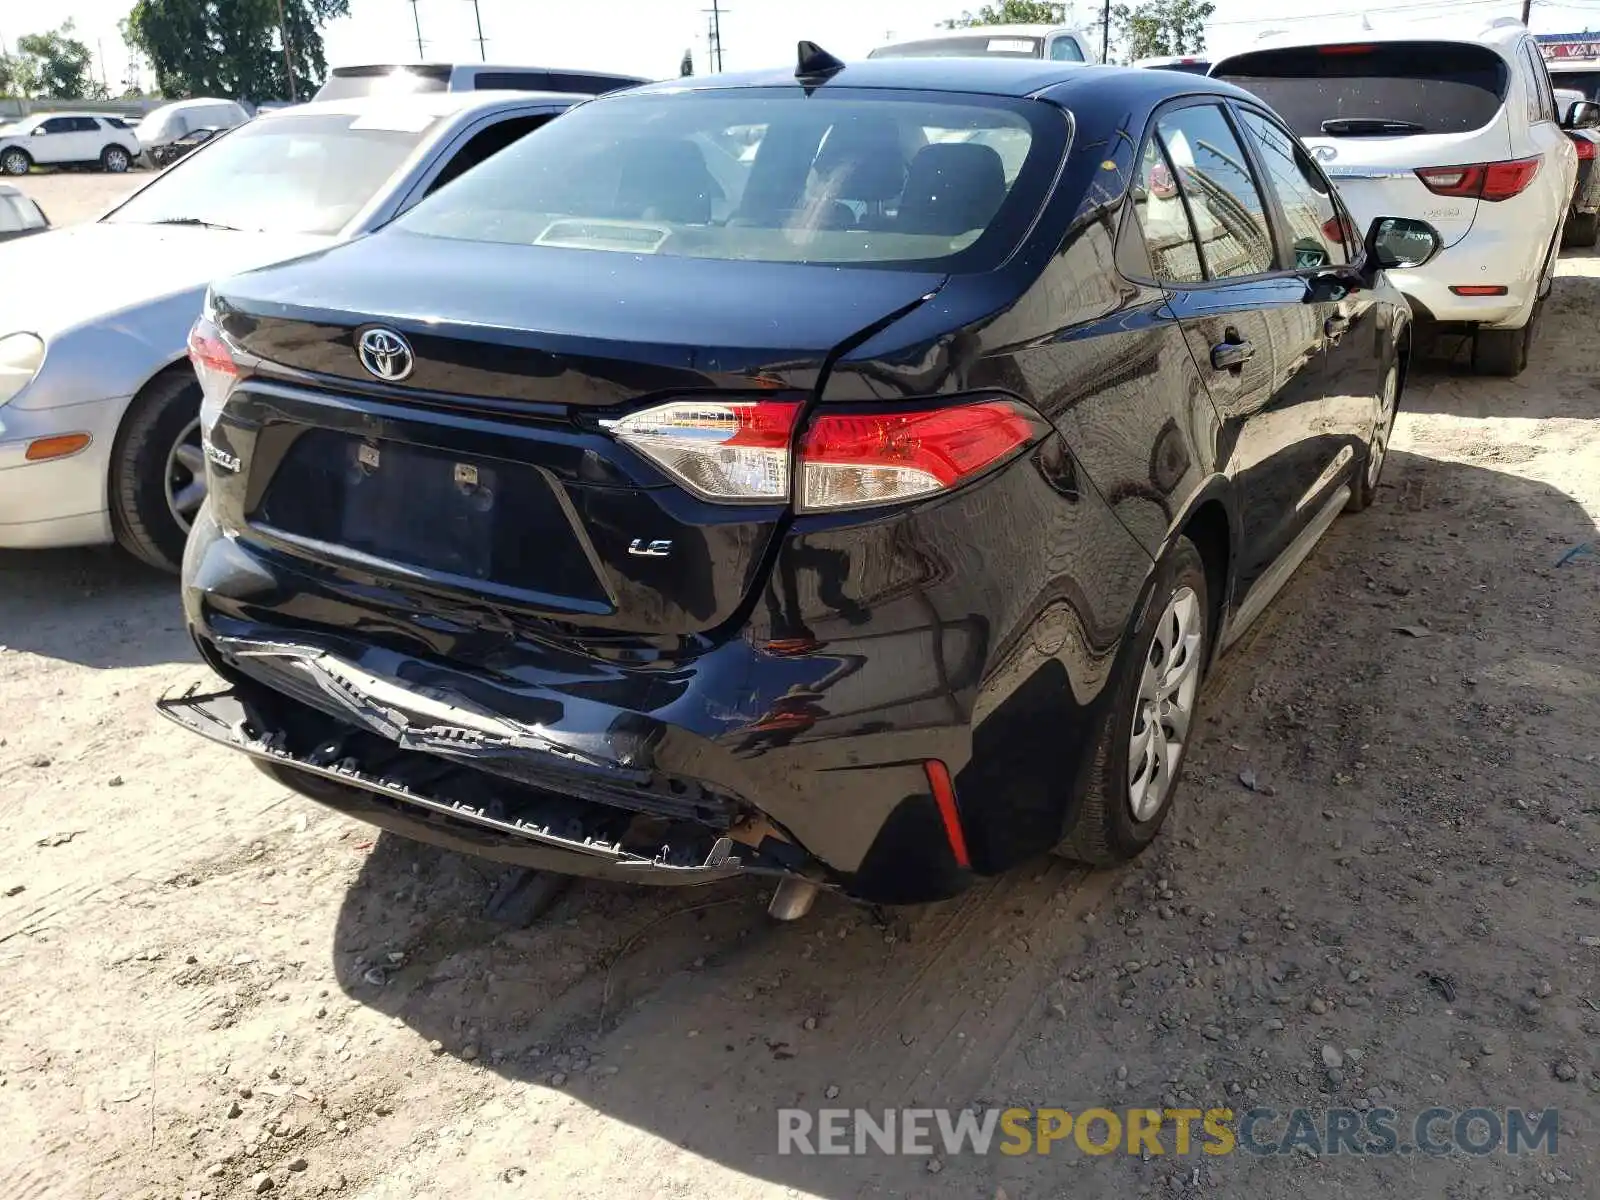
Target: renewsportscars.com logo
[(1176, 1131)]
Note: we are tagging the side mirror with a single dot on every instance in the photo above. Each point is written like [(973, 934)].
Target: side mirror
[(1401, 243), (37, 131), (1583, 114)]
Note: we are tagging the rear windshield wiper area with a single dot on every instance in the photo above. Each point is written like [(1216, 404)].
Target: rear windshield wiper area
[(1368, 127), (196, 221)]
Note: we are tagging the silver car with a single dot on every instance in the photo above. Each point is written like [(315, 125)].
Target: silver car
[(99, 405)]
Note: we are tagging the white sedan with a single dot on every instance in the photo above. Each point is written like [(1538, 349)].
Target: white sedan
[(99, 406)]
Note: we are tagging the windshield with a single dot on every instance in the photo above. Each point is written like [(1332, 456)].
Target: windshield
[(281, 174), (1429, 87), (765, 175)]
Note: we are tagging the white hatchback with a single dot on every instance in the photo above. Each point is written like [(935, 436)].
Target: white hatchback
[(1457, 129)]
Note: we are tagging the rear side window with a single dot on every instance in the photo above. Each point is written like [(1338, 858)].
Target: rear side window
[(1163, 220), (1377, 90), (845, 178), (1541, 100), (1315, 227), (1224, 203)]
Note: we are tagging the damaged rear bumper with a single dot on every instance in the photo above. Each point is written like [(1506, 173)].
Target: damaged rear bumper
[(533, 830)]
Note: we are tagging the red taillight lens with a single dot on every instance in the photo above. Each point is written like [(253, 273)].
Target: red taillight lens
[(1479, 289), (854, 460), (738, 451), (1481, 181), (1584, 147), (213, 362), (1345, 49)]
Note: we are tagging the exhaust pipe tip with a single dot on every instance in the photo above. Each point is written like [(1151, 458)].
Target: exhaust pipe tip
[(792, 900)]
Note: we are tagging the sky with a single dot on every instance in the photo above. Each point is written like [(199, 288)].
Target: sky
[(648, 37)]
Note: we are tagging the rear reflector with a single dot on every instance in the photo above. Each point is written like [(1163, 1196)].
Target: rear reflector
[(739, 451), (1478, 289), (1481, 181), (944, 795), (44, 449)]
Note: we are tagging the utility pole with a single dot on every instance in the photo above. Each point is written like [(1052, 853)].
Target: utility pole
[(714, 35), (483, 54), (1105, 33), (417, 21), (100, 45), (288, 62), (1527, 10)]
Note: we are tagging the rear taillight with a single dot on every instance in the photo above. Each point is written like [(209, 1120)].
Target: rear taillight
[(852, 461), (1584, 147), (1481, 181), (740, 451), (720, 451), (213, 361)]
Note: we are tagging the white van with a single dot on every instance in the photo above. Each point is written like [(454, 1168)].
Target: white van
[(1056, 43), (170, 122)]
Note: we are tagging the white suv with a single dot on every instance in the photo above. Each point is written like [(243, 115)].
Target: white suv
[(1459, 130), (60, 139)]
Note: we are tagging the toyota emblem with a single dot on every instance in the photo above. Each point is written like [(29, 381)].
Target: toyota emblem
[(385, 354), (1326, 153)]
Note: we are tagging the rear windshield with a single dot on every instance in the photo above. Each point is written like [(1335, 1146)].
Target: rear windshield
[(1587, 82), (965, 47), (1420, 87), (346, 82), (843, 177)]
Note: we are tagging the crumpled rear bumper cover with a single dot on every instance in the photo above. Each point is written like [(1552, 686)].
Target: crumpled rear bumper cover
[(537, 837)]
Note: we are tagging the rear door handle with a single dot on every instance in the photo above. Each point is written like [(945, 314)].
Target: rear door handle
[(1336, 326), (1232, 354)]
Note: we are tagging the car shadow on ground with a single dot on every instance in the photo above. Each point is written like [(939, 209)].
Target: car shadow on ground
[(692, 1018), (99, 608)]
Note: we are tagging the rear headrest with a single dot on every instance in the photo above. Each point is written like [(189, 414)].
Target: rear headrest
[(952, 187), (665, 180), (862, 160)]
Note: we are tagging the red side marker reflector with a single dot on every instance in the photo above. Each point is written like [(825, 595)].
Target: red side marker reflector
[(1478, 289), (944, 795)]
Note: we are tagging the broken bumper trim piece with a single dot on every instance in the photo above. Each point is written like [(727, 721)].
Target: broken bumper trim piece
[(222, 717)]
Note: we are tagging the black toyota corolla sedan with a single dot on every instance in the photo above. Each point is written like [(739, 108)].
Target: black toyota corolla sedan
[(845, 475)]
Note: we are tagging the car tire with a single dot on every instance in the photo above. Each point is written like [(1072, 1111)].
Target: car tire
[(15, 161), (1369, 471), (1504, 352), (115, 159), (149, 472), (1116, 820), (1583, 230)]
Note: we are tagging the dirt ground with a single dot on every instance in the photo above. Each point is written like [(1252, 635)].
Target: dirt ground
[(211, 987)]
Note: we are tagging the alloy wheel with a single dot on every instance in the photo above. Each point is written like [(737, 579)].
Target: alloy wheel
[(15, 163), (1165, 703), (116, 161), (1383, 429), (185, 479)]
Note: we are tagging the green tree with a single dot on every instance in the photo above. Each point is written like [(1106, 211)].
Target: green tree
[(1013, 12), (233, 47), (8, 75), (1159, 27), (54, 64)]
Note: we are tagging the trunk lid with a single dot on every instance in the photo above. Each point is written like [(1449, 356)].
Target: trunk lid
[(1372, 114), (484, 477)]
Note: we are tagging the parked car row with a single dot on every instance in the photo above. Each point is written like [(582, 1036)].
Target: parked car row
[(621, 501)]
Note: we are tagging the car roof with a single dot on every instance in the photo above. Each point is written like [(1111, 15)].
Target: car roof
[(992, 75), (420, 104), (471, 66), (193, 102), (966, 31), (1499, 33)]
